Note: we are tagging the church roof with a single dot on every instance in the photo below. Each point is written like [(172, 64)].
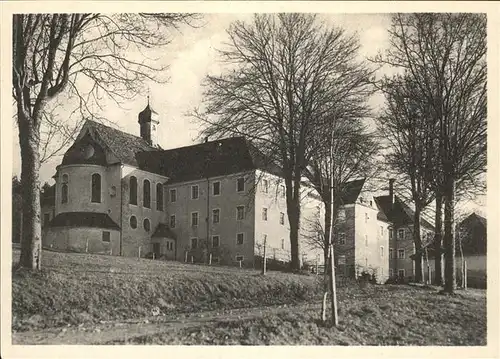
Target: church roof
[(209, 159), (84, 219)]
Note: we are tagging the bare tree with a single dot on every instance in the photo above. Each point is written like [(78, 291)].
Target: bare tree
[(286, 73), (404, 124), (445, 56), (90, 56)]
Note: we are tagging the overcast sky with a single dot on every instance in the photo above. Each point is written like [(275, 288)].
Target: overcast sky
[(192, 55)]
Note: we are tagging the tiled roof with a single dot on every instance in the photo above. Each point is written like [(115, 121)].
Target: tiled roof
[(123, 145), (84, 219), (352, 191), (163, 231), (400, 214)]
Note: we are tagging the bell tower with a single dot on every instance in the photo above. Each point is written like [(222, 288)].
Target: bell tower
[(149, 122)]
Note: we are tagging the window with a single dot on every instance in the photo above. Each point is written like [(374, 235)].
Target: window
[(391, 253), (106, 236), (173, 195), (159, 197), (96, 188), (194, 192), (64, 189), (282, 191), (265, 186), (381, 251), (146, 195), (216, 188), (215, 215), (194, 219), (401, 273), (147, 225), (401, 253), (341, 238), (194, 243), (401, 234), (391, 272), (239, 258), (215, 241), (240, 213), (46, 219), (341, 215), (172, 221), (133, 190), (264, 214), (282, 243), (239, 238), (282, 218), (366, 240), (133, 222), (341, 260), (240, 184), (390, 233), (366, 217), (381, 230)]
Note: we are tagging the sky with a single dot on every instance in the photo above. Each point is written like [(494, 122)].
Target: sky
[(191, 56)]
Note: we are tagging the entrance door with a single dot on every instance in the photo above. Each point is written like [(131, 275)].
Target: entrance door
[(156, 250)]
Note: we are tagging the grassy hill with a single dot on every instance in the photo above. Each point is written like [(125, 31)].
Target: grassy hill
[(73, 288)]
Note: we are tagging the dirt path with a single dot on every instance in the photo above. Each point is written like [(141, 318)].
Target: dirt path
[(125, 330)]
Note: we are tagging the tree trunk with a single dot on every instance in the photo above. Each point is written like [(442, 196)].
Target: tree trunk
[(419, 270), (449, 242), (438, 280), (328, 219), (293, 210), (31, 242)]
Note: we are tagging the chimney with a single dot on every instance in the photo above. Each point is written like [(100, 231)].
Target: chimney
[(391, 190), (206, 139)]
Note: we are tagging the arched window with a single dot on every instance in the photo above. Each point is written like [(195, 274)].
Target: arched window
[(133, 190), (147, 194), (159, 197), (133, 222), (147, 225), (64, 189), (96, 188)]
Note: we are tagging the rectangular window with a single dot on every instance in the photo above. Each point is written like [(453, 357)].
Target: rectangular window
[(46, 219), (390, 233), (172, 221), (216, 188), (401, 253), (239, 238), (265, 186), (264, 214), (215, 241), (401, 234), (341, 260), (282, 243), (194, 219), (401, 273), (194, 243), (341, 238), (381, 251), (282, 218), (106, 236), (391, 253), (215, 215), (240, 184), (391, 272), (341, 215), (282, 191), (381, 230), (240, 213), (239, 258), (194, 192), (173, 195), (366, 217)]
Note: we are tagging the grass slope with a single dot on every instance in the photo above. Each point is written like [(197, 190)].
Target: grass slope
[(375, 315), (82, 288)]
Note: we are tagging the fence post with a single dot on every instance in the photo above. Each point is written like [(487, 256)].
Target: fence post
[(210, 259), (465, 274), (87, 246), (154, 255), (139, 252), (185, 256), (192, 259), (240, 264)]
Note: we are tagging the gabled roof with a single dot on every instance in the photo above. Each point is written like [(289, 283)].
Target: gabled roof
[(163, 231), (352, 191), (400, 214), (84, 219), (123, 145), (474, 217)]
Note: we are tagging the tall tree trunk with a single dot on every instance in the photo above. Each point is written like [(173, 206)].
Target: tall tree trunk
[(449, 211), (419, 270), (328, 221), (293, 210), (31, 242), (438, 230)]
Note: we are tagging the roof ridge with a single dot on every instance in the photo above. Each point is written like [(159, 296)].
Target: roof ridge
[(203, 143), (115, 129)]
